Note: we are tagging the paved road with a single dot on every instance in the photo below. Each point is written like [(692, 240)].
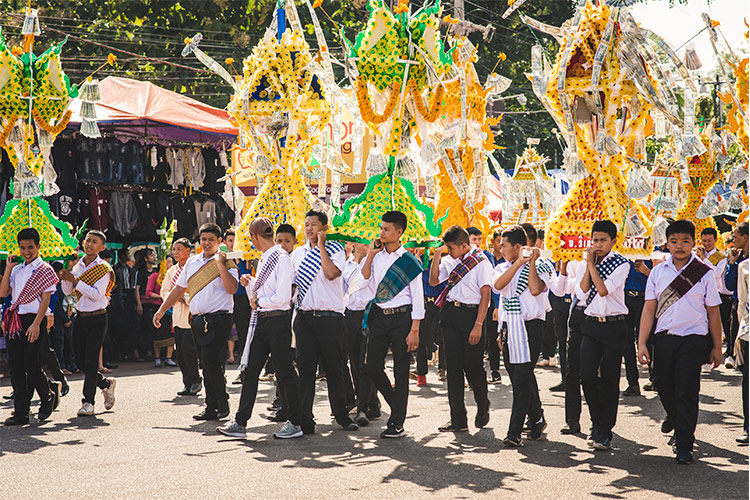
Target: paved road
[(149, 447)]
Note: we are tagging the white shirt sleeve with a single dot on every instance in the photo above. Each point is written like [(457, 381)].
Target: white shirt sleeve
[(283, 285), (617, 278), (712, 293), (417, 298), (651, 286)]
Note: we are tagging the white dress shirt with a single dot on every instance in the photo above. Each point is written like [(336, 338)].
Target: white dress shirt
[(19, 275), (612, 304), (688, 315), (355, 300), (324, 294), (213, 297), (276, 292), (718, 272), (566, 285), (93, 298), (411, 295), (468, 290), (532, 307)]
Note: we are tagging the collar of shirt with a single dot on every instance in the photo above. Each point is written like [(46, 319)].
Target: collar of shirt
[(33, 264), (82, 265)]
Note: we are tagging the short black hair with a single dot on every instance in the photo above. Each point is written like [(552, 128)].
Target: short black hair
[(229, 232), (497, 234), (396, 218), (682, 226), (604, 226), (473, 231), (322, 217), (57, 266), (28, 233), (711, 231), (98, 234), (540, 235), (456, 235), (515, 235), (742, 228), (530, 230), (184, 242), (210, 227), (123, 254), (105, 254), (286, 228)]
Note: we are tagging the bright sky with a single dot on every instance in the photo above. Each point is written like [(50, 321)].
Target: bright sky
[(676, 25)]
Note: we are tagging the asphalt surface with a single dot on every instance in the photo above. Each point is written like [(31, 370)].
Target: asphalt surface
[(148, 446)]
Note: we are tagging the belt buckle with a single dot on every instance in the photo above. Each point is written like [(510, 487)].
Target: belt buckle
[(601, 319), (315, 314), (389, 311)]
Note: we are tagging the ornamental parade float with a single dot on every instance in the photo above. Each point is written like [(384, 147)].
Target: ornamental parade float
[(283, 113), (529, 195), (608, 77), (35, 94)]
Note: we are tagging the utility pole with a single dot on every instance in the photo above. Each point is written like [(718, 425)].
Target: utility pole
[(464, 27)]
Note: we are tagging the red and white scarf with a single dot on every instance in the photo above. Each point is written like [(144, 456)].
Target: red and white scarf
[(41, 279)]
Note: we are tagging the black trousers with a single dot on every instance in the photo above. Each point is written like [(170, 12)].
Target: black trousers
[(187, 356), (549, 341), (88, 334), (560, 313), (573, 368), (355, 352), (677, 375), (49, 359), (601, 356), (273, 336), (462, 359), (734, 327), (725, 310), (427, 335), (320, 339), (526, 400), (25, 359), (743, 346), (212, 356), (241, 315), (491, 333), (389, 331), (633, 322)]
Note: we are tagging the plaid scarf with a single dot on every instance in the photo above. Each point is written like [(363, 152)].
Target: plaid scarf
[(605, 268), (310, 266), (264, 272), (397, 277), (42, 278), (94, 274), (459, 272), (518, 337)]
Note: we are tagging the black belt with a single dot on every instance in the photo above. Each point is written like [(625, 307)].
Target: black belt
[(461, 304), (635, 293), (86, 314), (318, 314), (274, 314), (580, 308), (666, 332), (215, 313), (395, 310), (607, 319)]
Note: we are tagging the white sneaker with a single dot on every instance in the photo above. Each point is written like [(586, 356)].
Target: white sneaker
[(706, 369), (729, 363), (289, 431), (86, 410), (553, 361), (543, 362), (157, 362), (233, 429), (109, 394)]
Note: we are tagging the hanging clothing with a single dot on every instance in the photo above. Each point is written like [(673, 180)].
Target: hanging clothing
[(123, 212), (177, 164), (64, 161), (183, 211), (205, 210), (214, 171), (196, 168), (145, 228), (98, 210)]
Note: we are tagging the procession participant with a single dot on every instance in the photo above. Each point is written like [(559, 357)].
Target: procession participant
[(430, 332), (357, 299), (392, 317), (269, 333), (492, 328), (681, 297), (635, 287), (91, 281), (30, 286), (242, 311), (742, 341), (522, 281), (560, 301), (319, 325), (464, 302), (187, 354), (736, 255), (549, 344), (602, 290), (286, 236), (211, 281)]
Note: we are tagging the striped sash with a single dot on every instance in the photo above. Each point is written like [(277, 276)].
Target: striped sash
[(310, 266)]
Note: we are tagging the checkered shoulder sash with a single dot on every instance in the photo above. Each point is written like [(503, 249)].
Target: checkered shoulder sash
[(41, 279), (94, 274), (459, 272), (605, 268)]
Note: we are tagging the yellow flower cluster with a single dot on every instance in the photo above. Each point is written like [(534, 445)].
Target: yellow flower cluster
[(27, 213)]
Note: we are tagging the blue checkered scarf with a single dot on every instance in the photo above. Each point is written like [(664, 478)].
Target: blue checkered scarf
[(605, 268)]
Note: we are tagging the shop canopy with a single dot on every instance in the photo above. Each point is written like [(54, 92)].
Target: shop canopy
[(139, 110)]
